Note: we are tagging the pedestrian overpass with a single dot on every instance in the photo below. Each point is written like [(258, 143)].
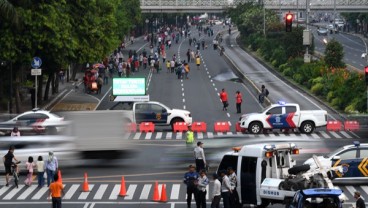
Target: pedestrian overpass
[(218, 6)]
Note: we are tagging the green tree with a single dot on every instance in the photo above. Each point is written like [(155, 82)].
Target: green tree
[(7, 12), (334, 53)]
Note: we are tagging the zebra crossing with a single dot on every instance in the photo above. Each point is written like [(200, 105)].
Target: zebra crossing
[(135, 192), (211, 135)]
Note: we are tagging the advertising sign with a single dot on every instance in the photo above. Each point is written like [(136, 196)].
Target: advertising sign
[(128, 86)]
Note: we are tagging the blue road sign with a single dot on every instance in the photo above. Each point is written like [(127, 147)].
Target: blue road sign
[(36, 62)]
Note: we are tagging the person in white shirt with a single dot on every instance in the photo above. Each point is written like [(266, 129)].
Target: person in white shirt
[(15, 132), (200, 159), (225, 189), (40, 171), (202, 191), (234, 196), (216, 192)]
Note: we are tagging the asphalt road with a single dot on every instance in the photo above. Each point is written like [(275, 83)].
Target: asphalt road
[(353, 46), (163, 157)]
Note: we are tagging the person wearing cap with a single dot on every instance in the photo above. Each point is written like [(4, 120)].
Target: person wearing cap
[(234, 196), (225, 189), (202, 191), (191, 180), (359, 201), (216, 192), (200, 159), (51, 167)]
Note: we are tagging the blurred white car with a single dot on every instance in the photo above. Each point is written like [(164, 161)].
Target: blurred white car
[(35, 120), (218, 22), (322, 31)]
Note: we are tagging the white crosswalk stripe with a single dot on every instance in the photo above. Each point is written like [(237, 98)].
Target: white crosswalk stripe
[(175, 191), (4, 189), (210, 135)]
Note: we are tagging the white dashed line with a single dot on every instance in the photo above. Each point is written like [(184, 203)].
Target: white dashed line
[(182, 89), (183, 100), (215, 89), (182, 94), (211, 80), (213, 84), (209, 76), (229, 123), (228, 115)]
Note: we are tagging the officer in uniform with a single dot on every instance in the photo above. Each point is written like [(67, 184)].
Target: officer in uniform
[(189, 136), (234, 196)]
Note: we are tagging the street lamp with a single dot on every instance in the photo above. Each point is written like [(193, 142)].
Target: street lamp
[(5, 63)]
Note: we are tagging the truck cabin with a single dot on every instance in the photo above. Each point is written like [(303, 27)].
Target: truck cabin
[(317, 198), (254, 163)]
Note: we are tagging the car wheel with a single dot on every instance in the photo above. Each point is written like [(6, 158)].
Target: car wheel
[(307, 127), (255, 127)]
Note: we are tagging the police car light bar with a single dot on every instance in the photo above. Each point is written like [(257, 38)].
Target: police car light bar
[(356, 143), (280, 102), (279, 146)]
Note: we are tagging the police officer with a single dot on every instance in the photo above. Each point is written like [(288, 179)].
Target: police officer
[(359, 201), (200, 159), (191, 180), (234, 196), (189, 136)]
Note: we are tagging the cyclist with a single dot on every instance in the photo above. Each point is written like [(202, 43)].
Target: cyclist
[(8, 161)]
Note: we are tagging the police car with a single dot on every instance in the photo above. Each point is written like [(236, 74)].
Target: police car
[(319, 197), (353, 159), (36, 120), (284, 116)]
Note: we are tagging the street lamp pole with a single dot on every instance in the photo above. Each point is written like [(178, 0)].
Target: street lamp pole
[(11, 89)]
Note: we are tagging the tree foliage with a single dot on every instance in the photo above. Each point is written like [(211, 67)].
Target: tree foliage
[(334, 53), (62, 32)]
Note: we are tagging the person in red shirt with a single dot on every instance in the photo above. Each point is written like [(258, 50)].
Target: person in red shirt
[(223, 97), (239, 100)]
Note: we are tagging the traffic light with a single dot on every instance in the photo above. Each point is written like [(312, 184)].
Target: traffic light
[(366, 74), (288, 22)]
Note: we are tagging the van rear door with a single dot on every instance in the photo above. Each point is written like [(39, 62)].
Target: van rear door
[(248, 187)]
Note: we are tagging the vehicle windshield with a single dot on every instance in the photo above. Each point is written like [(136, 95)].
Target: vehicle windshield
[(334, 152)]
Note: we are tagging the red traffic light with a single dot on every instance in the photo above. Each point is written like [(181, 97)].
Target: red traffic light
[(289, 17), (366, 69)]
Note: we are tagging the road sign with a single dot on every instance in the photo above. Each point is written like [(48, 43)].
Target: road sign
[(36, 72), (36, 62)]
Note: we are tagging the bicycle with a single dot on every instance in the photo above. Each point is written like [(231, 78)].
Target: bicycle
[(15, 173)]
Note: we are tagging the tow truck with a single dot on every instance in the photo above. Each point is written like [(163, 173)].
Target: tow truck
[(267, 173), (284, 116)]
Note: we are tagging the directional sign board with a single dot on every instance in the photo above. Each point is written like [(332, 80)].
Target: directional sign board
[(36, 72), (36, 62), (129, 86)]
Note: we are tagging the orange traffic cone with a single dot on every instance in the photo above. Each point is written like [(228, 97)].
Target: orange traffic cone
[(156, 196), (60, 180), (163, 193), (122, 187), (85, 186)]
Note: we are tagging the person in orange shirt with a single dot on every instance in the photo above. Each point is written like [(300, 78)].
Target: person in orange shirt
[(239, 100), (56, 191), (223, 97)]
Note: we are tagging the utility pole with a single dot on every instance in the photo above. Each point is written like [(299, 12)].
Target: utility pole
[(307, 35)]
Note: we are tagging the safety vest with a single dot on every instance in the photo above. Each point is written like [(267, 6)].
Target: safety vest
[(190, 137)]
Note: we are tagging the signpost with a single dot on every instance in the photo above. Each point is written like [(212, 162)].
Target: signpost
[(36, 71)]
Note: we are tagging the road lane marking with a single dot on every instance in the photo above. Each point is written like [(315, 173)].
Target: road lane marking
[(103, 97), (220, 134), (169, 135), (40, 193), (148, 135), (158, 135), (229, 133), (145, 191), (183, 100), (13, 192), (228, 114), (315, 136), (86, 205), (207, 194), (130, 192), (365, 189), (115, 192), (3, 190), (209, 135), (137, 135), (92, 205), (351, 189), (215, 89), (184, 107), (325, 135), (71, 191), (28, 191), (84, 195), (334, 134), (346, 134), (199, 135), (182, 94), (101, 190), (179, 135)]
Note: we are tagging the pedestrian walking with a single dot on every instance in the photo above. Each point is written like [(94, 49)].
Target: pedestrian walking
[(188, 56), (51, 167), (191, 180), (216, 192), (187, 70), (29, 166), (234, 196), (200, 159), (264, 93), (202, 191), (99, 84), (359, 201), (225, 189), (56, 191), (106, 75), (168, 66), (179, 70), (239, 100), (203, 44), (40, 164), (192, 54), (172, 66), (223, 97), (198, 61)]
